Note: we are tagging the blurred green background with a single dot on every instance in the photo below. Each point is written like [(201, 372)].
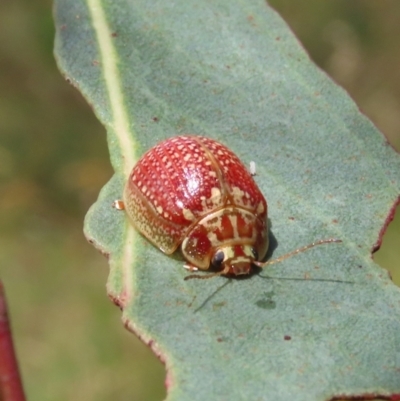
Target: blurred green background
[(53, 161)]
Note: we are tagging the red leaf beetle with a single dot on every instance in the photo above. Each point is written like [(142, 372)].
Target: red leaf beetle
[(194, 192)]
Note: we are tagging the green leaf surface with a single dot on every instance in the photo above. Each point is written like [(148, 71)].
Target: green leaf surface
[(324, 323)]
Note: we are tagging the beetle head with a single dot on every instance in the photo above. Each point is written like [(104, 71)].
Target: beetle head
[(235, 259)]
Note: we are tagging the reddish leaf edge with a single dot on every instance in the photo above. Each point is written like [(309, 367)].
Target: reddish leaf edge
[(11, 388), (168, 382), (388, 220), (392, 210)]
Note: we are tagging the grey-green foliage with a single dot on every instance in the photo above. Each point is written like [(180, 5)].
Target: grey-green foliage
[(324, 323)]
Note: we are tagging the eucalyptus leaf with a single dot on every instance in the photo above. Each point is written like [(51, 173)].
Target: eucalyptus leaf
[(324, 323)]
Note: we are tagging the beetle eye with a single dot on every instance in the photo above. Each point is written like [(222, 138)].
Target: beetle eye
[(218, 258), (255, 253)]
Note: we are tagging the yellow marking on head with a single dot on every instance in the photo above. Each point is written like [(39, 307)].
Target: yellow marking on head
[(248, 250), (228, 253), (241, 259)]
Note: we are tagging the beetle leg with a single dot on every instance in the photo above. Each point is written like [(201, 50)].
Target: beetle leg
[(210, 275), (253, 168), (190, 267), (118, 204)]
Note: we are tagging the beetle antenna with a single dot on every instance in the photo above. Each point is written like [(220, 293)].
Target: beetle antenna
[(295, 252)]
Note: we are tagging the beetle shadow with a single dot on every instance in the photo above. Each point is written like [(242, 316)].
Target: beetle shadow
[(273, 244)]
